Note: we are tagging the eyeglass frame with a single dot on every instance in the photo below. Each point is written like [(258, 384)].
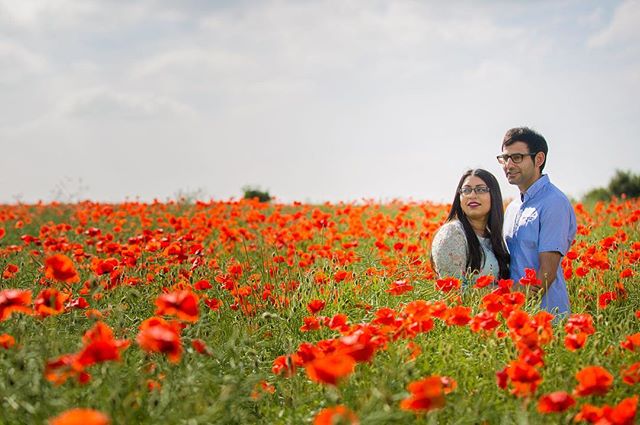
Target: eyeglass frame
[(478, 190), (504, 158)]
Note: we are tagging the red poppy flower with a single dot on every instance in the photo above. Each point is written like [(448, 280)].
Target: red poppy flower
[(311, 323), (50, 302), (484, 281), (182, 304), (336, 415), (159, 336), (213, 303), (530, 278), (331, 368), (575, 342), (340, 275), (80, 416), (100, 346), (458, 315), (286, 365), (485, 320), (60, 267), (7, 341), (14, 301), (593, 380), (448, 284), (201, 285), (624, 413), (557, 401), (428, 393), (337, 322), (314, 306), (200, 346), (631, 375), (606, 298), (632, 342), (399, 287), (626, 273), (2, 232), (524, 378), (10, 271)]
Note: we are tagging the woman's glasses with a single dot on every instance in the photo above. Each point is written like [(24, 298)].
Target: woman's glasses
[(479, 190)]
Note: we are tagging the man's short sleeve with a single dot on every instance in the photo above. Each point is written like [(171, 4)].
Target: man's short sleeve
[(557, 227)]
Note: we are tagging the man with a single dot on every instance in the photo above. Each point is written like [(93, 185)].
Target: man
[(540, 225)]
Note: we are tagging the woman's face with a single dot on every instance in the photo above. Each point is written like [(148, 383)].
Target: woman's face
[(477, 203)]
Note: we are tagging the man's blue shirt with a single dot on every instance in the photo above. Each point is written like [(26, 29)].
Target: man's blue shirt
[(543, 220)]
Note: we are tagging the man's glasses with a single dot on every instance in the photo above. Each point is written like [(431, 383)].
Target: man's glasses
[(516, 158), (479, 190)]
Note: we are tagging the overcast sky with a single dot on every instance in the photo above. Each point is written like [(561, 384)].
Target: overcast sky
[(312, 100)]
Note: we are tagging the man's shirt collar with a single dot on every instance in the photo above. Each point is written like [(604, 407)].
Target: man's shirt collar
[(535, 188)]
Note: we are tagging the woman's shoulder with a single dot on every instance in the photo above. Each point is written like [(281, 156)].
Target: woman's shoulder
[(453, 227)]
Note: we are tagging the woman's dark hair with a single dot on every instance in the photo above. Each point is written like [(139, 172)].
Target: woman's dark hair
[(475, 259)]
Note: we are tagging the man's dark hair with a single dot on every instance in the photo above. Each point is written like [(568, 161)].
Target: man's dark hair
[(534, 141)]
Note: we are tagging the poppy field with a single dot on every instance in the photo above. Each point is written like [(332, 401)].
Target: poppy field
[(245, 312)]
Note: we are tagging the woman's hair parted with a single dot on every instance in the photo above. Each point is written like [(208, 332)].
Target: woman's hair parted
[(475, 259)]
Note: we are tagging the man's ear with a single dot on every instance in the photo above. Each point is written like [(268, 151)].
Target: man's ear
[(539, 159)]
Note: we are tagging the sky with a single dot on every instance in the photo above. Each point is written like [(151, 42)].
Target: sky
[(313, 101)]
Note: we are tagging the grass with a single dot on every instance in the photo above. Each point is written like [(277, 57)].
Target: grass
[(249, 332)]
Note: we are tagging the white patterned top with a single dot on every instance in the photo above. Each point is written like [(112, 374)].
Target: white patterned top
[(449, 252)]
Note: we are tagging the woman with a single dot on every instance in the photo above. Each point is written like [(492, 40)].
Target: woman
[(470, 242)]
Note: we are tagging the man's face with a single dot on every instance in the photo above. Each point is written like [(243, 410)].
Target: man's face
[(522, 174)]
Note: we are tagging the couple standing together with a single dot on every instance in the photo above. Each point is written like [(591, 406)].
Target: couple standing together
[(538, 227)]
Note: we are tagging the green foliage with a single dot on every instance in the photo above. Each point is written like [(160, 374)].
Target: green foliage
[(625, 182), (251, 192), (622, 183)]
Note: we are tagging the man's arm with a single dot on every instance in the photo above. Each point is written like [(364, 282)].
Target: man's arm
[(549, 263)]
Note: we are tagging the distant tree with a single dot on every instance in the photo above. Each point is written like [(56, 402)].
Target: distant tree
[(625, 182), (251, 192)]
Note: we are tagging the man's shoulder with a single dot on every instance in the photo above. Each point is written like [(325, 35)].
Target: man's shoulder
[(552, 194)]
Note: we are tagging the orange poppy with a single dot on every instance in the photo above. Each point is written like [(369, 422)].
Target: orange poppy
[(80, 416), (7, 341), (182, 304), (448, 284), (14, 300), (10, 271), (159, 336), (530, 278), (428, 393), (336, 415), (631, 375), (632, 342), (202, 285), (60, 267), (399, 287), (484, 281), (557, 401), (50, 302), (331, 368), (100, 346), (314, 306), (593, 380)]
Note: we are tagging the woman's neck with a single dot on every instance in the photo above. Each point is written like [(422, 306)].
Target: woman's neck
[(478, 226)]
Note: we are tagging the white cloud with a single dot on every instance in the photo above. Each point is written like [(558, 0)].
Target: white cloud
[(106, 104), (18, 63), (624, 27)]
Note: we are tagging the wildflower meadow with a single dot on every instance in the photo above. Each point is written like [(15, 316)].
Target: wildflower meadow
[(244, 312)]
